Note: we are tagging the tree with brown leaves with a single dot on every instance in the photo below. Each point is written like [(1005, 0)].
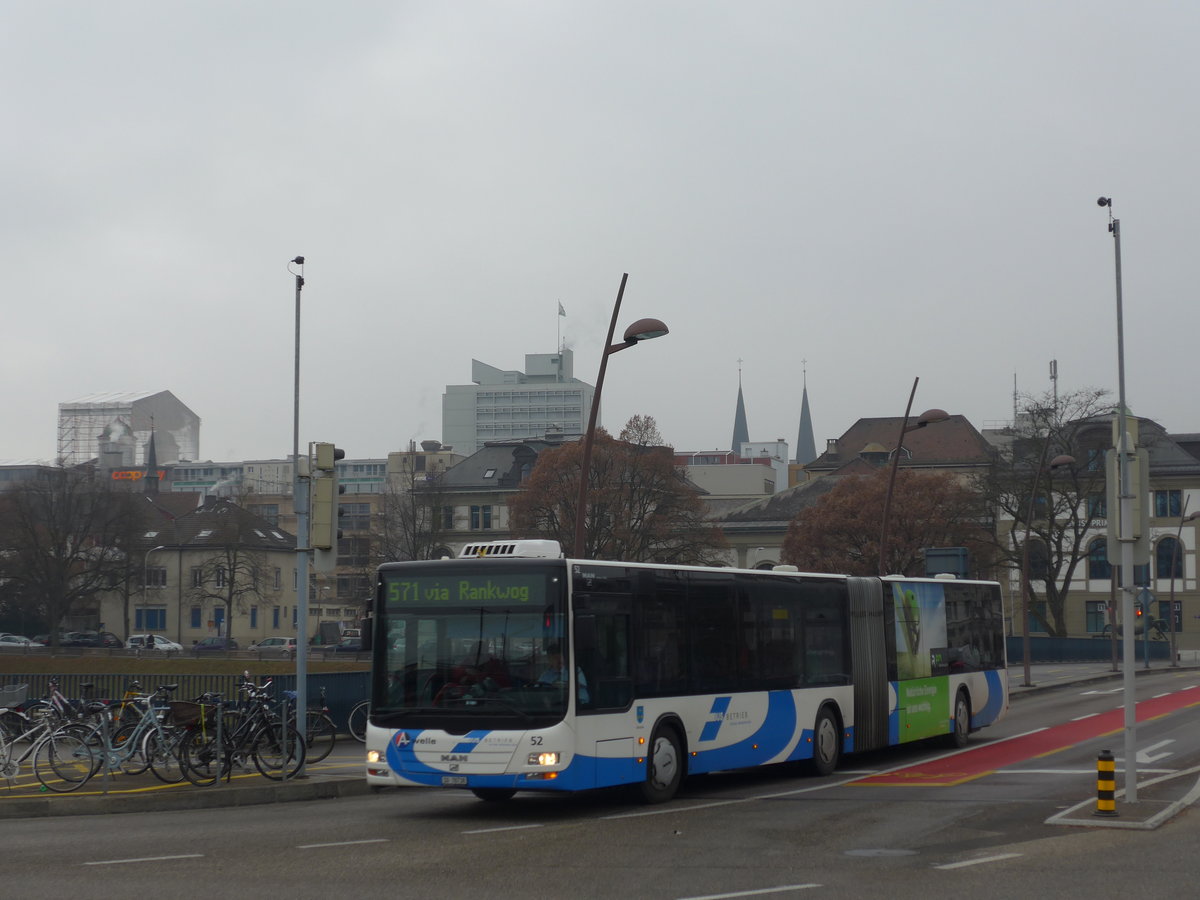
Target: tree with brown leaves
[(641, 508), (840, 532)]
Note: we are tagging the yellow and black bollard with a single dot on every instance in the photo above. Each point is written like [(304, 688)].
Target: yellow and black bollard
[(1106, 784)]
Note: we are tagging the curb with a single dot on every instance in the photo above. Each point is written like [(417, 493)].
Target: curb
[(200, 798)]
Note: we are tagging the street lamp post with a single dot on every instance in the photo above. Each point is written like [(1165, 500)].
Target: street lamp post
[(1183, 517), (300, 505), (929, 417), (1125, 531), (641, 330), (1062, 460)]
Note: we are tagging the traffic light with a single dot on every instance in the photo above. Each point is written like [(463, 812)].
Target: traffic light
[(323, 524)]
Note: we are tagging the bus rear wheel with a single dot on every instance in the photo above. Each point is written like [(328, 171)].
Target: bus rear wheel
[(960, 725), (827, 744), (664, 767)]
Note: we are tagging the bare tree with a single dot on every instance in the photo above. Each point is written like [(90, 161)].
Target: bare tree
[(62, 539), (233, 571), (641, 507), (409, 524), (1069, 501)]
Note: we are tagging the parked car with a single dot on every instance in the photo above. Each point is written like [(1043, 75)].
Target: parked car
[(215, 645), (18, 640), (91, 639), (347, 645), (152, 642), (280, 644)]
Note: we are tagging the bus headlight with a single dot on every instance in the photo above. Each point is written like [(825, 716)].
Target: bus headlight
[(548, 758), (374, 756)]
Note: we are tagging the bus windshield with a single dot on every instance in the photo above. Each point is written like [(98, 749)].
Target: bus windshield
[(469, 646)]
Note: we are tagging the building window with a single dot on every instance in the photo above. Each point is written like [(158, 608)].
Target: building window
[(1098, 566), (278, 578), (197, 577), (353, 587), (254, 617), (1097, 506), (269, 512), (221, 576), (481, 518), (156, 577), (150, 619), (1168, 504), (1096, 615), (448, 518), (355, 516), (354, 551), (275, 618), (196, 619), (1168, 558)]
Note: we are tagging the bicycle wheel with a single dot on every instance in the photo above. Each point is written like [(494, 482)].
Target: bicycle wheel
[(357, 720), (64, 762), (200, 757), (161, 749), (276, 755), (320, 734), (129, 757)]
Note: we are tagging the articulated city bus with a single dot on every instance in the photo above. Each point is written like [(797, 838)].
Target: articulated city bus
[(513, 669)]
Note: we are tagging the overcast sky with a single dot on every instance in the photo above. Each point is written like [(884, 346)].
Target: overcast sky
[(888, 190)]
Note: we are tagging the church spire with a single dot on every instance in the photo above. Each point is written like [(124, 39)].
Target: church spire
[(741, 432), (151, 478), (806, 445)]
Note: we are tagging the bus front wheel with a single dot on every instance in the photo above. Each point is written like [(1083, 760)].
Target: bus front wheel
[(664, 767), (494, 795), (827, 743)]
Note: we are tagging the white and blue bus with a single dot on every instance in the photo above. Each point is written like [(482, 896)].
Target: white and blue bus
[(513, 669)]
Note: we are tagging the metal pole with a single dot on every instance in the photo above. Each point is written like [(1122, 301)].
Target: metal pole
[(300, 505), (1125, 532), (887, 500), (1174, 562), (589, 437), (1025, 590)]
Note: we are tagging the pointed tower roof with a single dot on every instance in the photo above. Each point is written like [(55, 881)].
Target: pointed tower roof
[(741, 432), (806, 445), (151, 478)]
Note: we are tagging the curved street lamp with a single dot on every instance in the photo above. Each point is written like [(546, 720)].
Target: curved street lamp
[(929, 417), (641, 330)]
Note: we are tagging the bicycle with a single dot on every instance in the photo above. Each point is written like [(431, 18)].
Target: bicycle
[(62, 759), (356, 722), (146, 743), (258, 732), (320, 733)]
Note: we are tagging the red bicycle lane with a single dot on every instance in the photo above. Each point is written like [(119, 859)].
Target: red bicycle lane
[(966, 765)]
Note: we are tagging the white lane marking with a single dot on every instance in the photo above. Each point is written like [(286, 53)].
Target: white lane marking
[(980, 861), (1147, 754), (1081, 718), (505, 828), (1072, 771), (1167, 694), (342, 843), (757, 893), (121, 862)]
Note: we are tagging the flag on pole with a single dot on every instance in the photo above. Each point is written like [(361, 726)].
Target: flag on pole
[(561, 311)]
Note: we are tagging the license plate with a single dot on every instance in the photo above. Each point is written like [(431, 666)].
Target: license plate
[(454, 779)]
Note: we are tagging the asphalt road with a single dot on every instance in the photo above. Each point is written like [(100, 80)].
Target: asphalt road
[(768, 832)]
